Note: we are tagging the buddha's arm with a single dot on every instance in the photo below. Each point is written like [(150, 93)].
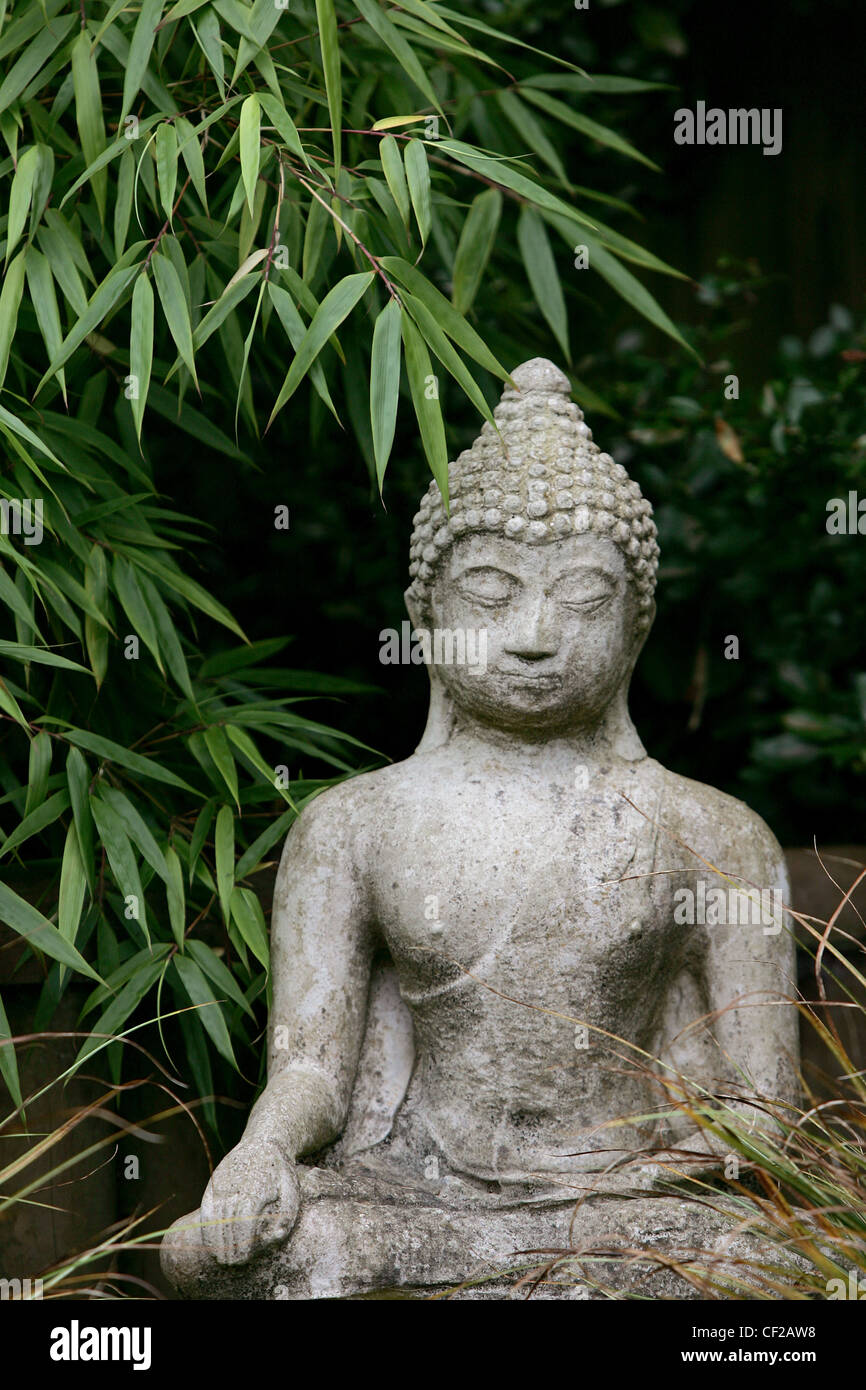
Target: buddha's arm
[(751, 981), (321, 950)]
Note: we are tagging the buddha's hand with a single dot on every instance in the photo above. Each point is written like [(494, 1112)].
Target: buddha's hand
[(251, 1201)]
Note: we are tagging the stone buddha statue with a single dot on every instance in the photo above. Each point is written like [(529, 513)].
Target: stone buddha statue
[(481, 990)]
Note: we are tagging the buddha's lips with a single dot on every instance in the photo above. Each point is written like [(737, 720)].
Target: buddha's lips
[(545, 679)]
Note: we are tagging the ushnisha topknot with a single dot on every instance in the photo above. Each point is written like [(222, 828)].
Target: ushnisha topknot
[(543, 480)]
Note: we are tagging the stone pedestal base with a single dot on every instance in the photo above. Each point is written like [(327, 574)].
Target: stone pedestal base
[(357, 1237)]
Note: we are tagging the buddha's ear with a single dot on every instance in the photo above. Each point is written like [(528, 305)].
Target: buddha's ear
[(644, 632), (440, 716), (413, 608)]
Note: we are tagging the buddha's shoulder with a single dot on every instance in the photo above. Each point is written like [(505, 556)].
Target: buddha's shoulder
[(361, 801), (716, 825)]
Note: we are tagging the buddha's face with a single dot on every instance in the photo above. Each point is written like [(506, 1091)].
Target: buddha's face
[(561, 629)]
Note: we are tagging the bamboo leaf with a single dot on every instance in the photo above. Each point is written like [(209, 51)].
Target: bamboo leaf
[(132, 600), (63, 267), (101, 303), (393, 39), (241, 739), (88, 112), (211, 965), (166, 165), (20, 196), (283, 124), (78, 780), (246, 911), (122, 1006), (39, 819), (243, 382), (198, 426), (598, 83), (8, 1061), (224, 845), (73, 883), (121, 859), (112, 152), (385, 384), (633, 292), (141, 347), (19, 606), (18, 651), (418, 178), (207, 33), (503, 36), (113, 752), (188, 589), (197, 1055), (430, 15), (253, 855), (626, 285), (425, 398), (250, 144), (567, 114), (330, 45), (445, 314), (10, 299), (139, 52), (38, 770), (530, 129), (319, 221), (295, 329), (200, 993), (190, 151), (95, 633), (136, 828), (498, 171), (32, 59), (200, 833), (236, 16), (26, 921), (235, 291), (220, 750), (334, 308), (175, 896), (399, 233), (241, 658), (42, 187), (169, 642), (474, 247), (175, 308), (263, 20), (41, 285), (437, 341), (395, 176), (10, 422), (542, 273)]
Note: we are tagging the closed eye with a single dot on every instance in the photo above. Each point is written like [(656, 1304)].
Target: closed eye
[(487, 586), (588, 604)]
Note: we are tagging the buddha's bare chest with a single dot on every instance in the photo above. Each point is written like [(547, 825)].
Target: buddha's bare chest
[(521, 886)]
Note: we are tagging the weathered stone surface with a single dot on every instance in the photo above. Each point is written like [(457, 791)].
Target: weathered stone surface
[(510, 890)]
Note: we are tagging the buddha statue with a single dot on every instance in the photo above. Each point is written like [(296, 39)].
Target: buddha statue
[(478, 975)]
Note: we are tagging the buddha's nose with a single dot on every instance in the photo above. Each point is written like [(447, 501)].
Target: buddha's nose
[(534, 636)]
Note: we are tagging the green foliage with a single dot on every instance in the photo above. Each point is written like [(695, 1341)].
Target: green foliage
[(208, 208), (741, 489)]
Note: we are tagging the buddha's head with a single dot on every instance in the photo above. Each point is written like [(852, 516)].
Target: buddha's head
[(550, 552)]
